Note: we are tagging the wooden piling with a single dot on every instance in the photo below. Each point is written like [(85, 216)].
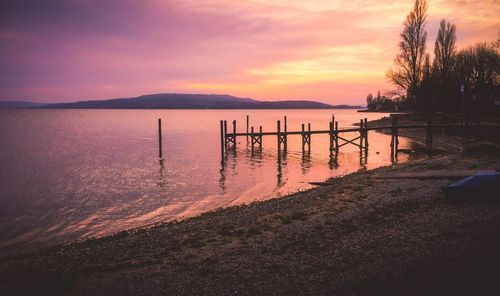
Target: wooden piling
[(303, 136), (361, 135), (393, 131), (336, 136), (396, 134), (285, 142), (234, 133), (252, 138), (160, 147), (260, 142), (248, 123), (366, 133), (330, 128), (222, 141), (278, 128), (309, 136), (225, 132)]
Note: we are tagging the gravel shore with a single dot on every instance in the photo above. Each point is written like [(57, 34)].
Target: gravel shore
[(356, 236)]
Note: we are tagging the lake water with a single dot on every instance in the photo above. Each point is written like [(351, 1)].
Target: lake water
[(69, 174)]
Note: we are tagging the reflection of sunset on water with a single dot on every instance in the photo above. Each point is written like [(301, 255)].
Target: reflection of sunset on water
[(103, 174)]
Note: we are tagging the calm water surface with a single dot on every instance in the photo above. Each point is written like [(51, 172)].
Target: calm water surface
[(68, 174)]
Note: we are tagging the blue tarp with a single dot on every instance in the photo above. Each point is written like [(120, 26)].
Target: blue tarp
[(480, 185)]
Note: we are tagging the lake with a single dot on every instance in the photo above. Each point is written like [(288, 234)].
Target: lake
[(71, 174)]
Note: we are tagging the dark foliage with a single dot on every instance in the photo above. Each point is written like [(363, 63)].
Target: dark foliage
[(466, 82)]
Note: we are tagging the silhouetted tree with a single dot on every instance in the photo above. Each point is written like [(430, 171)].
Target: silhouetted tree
[(478, 70), (425, 92), (407, 70), (369, 100), (444, 51), (381, 103), (444, 54)]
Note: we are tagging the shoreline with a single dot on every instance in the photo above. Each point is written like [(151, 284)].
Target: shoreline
[(357, 235)]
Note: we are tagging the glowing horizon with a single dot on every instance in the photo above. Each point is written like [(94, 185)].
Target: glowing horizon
[(330, 51)]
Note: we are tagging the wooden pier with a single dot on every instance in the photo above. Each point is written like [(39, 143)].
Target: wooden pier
[(338, 137)]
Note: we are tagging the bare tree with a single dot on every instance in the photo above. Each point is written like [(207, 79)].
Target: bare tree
[(426, 89), (444, 51), (478, 70), (442, 68), (407, 70)]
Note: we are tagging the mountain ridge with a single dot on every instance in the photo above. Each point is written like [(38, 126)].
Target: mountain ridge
[(187, 101)]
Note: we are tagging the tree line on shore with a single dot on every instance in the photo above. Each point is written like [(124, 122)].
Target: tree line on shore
[(465, 81)]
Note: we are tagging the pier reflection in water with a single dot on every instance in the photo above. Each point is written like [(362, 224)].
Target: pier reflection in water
[(299, 154)]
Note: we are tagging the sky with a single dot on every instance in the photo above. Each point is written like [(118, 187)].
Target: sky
[(331, 51)]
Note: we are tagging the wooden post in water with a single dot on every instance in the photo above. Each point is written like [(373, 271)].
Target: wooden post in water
[(252, 136), (278, 128), (234, 133), (222, 141), (248, 123), (366, 133), (361, 135), (260, 143), (330, 128), (160, 147), (225, 133), (309, 136), (336, 136), (285, 142), (303, 137)]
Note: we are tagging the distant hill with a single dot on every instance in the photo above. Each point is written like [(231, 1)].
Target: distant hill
[(192, 101), (178, 101), (19, 105)]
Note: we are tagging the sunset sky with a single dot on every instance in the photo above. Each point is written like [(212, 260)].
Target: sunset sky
[(332, 51)]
